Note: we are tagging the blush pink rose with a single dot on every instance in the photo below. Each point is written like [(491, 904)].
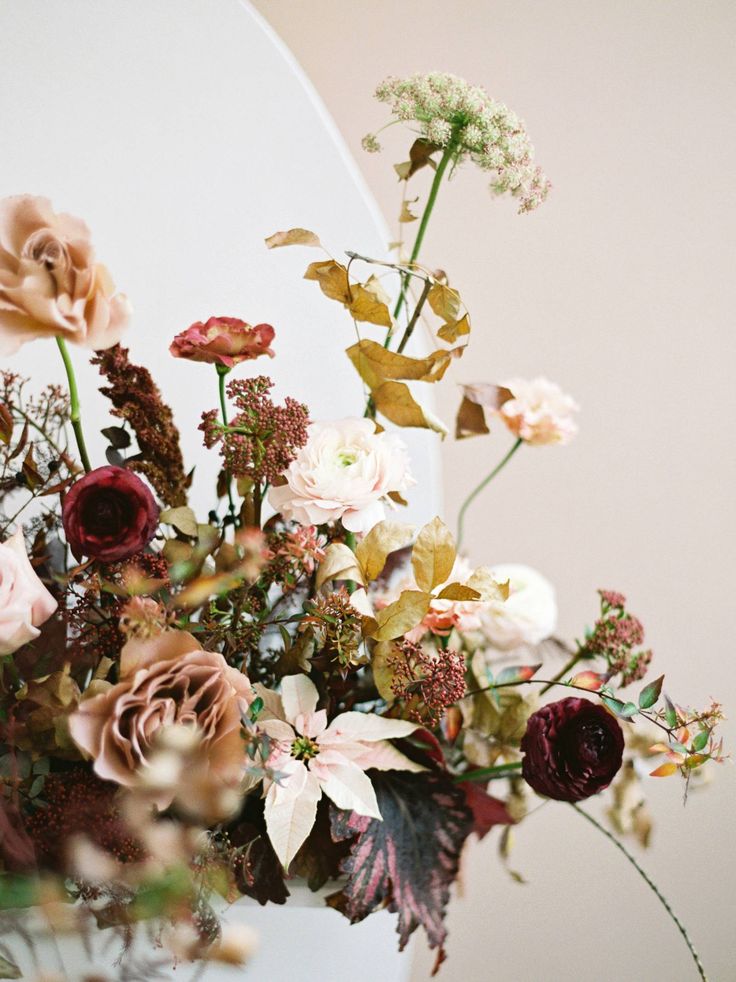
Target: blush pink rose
[(167, 680), (223, 341), (50, 284), (539, 412), (25, 603)]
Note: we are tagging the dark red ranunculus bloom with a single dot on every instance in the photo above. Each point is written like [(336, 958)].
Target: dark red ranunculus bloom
[(109, 515), (573, 749)]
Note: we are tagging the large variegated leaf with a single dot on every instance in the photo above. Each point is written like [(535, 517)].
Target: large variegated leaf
[(410, 859)]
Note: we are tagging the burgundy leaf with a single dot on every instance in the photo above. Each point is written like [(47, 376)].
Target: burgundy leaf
[(257, 869), (409, 860), (487, 810)]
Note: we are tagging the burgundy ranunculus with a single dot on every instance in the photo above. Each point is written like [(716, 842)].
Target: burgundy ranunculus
[(573, 749), (109, 515)]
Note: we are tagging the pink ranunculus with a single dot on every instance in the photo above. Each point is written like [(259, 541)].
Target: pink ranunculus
[(50, 284), (539, 412), (344, 472), (164, 681), (223, 341), (25, 603)]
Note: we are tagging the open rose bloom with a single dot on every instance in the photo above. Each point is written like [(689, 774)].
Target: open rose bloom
[(225, 341), (50, 284), (311, 758)]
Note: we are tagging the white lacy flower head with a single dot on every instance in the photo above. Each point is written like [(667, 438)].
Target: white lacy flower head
[(539, 412), (528, 616), (344, 472), (310, 758), (453, 113)]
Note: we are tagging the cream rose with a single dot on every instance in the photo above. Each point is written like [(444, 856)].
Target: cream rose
[(50, 284), (25, 603), (345, 471), (166, 680), (539, 412), (528, 616)]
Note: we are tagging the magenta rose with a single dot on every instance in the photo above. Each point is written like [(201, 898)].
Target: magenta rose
[(109, 515), (223, 341), (573, 749)]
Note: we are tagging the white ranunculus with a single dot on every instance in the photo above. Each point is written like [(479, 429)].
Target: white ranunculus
[(530, 613), (539, 412), (345, 471)]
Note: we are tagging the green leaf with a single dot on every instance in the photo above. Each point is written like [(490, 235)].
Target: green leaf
[(517, 673), (679, 747), (615, 705), (701, 740), (629, 710), (9, 970), (650, 693), (255, 708), (669, 713)]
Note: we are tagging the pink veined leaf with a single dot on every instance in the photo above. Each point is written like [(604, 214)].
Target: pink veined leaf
[(424, 815)]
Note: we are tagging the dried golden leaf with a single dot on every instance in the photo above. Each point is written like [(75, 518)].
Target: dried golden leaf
[(396, 498), (6, 424), (294, 236), (420, 156), (183, 519), (452, 329), (488, 587), (403, 170), (407, 215), (339, 563), (382, 674), (30, 471), (374, 286), (471, 420), (402, 615), (444, 301), (201, 590), (395, 401), (383, 539), (366, 307), (664, 770), (375, 364), (458, 591), (433, 555), (332, 278)]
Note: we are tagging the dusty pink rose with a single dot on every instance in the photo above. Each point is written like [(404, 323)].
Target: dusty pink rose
[(223, 341), (25, 603), (539, 412), (165, 680), (50, 284)]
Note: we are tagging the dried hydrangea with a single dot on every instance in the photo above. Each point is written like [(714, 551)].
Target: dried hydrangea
[(454, 115)]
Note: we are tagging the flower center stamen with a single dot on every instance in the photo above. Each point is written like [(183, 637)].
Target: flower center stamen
[(304, 749)]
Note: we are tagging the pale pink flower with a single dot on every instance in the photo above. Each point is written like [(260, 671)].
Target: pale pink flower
[(223, 341), (344, 472), (527, 616), (25, 603), (539, 412), (50, 284), (310, 758)]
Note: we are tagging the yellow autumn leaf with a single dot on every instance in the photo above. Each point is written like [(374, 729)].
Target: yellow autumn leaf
[(383, 539), (294, 236), (458, 591), (402, 615), (444, 301), (395, 401), (339, 563), (470, 420), (664, 770), (332, 278), (433, 555), (382, 672), (375, 364), (407, 215), (365, 306), (451, 330), (183, 519), (483, 580)]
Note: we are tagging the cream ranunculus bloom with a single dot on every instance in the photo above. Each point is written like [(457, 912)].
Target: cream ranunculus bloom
[(539, 412), (50, 284), (345, 471), (25, 603), (528, 616)]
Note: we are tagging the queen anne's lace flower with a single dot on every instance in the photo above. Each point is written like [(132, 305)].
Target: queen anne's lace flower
[(454, 114)]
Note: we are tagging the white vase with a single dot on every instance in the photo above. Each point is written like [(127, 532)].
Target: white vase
[(300, 941)]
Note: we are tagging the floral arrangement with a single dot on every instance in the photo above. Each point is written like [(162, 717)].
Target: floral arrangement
[(297, 684)]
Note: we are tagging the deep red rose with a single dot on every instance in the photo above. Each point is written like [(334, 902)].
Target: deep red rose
[(223, 341), (109, 515), (573, 749)]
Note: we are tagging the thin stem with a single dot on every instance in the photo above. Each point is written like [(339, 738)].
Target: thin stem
[(565, 670), (415, 316), (489, 773), (652, 886), (75, 413), (421, 231), (222, 373), (350, 543), (474, 494)]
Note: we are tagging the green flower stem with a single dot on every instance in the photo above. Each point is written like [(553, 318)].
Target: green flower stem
[(652, 886), (76, 418), (474, 494), (350, 585), (489, 773), (447, 156), (222, 373), (415, 316)]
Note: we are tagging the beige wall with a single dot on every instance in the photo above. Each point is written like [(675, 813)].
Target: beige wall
[(621, 288)]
